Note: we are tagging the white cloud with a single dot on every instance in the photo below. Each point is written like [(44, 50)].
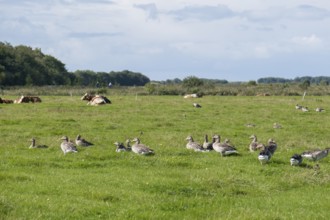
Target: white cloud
[(151, 10), (311, 41), (184, 36), (202, 12)]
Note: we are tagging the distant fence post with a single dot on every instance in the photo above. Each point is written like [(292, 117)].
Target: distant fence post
[(304, 95)]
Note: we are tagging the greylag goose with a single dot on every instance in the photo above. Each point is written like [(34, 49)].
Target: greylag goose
[(193, 145), (207, 145), (67, 146), (128, 145), (298, 107), (264, 156), (315, 155), (296, 160), (272, 146), (33, 144), (223, 148), (196, 105), (254, 145), (318, 109), (277, 125), (304, 109), (139, 148), (249, 125), (82, 142), (120, 147)]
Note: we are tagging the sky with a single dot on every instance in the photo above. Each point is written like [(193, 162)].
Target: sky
[(233, 40)]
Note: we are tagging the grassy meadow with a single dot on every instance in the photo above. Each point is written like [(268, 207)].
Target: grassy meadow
[(175, 183)]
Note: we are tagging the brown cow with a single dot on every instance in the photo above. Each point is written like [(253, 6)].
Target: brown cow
[(6, 101), (27, 99), (95, 99)]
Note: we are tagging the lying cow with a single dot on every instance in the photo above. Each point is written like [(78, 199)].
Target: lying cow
[(6, 101), (27, 99), (191, 96), (95, 99)]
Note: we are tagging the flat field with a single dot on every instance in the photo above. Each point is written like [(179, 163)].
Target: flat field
[(175, 183)]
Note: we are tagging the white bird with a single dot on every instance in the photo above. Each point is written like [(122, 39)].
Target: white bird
[(33, 144), (67, 146), (139, 148), (296, 160), (223, 148), (298, 107), (193, 145), (82, 142)]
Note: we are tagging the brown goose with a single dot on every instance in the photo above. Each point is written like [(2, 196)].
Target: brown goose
[(296, 160), (128, 145), (264, 156), (272, 146), (139, 148), (318, 109), (120, 147), (33, 144), (82, 142), (304, 109), (223, 148), (254, 145), (207, 145), (67, 146), (277, 125), (316, 155), (196, 105), (193, 145)]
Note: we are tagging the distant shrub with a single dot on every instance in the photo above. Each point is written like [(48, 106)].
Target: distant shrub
[(192, 81), (252, 83), (165, 91), (291, 94), (227, 93)]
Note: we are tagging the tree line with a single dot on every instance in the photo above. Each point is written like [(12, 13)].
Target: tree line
[(319, 80), (22, 65)]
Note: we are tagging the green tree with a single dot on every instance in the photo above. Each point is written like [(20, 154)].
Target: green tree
[(252, 83), (305, 84), (192, 81)]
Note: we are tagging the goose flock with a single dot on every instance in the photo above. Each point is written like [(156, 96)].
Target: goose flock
[(306, 109), (266, 151)]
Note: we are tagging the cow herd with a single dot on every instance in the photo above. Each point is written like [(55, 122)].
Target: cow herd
[(22, 99), (91, 99)]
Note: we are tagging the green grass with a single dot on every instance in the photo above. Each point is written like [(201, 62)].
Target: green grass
[(175, 183)]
